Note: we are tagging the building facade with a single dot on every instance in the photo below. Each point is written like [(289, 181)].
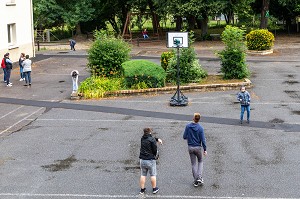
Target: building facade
[(16, 28)]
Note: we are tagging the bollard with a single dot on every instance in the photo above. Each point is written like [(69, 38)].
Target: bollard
[(74, 75), (38, 44)]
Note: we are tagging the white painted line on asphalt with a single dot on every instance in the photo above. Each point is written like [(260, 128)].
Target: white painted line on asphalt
[(20, 121), (124, 196), (83, 120), (11, 112)]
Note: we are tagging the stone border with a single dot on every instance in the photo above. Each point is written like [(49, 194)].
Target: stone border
[(172, 89), (259, 52)]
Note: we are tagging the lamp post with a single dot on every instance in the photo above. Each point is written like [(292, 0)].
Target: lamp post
[(178, 98)]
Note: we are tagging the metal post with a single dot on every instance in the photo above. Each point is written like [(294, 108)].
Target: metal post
[(38, 44), (180, 99)]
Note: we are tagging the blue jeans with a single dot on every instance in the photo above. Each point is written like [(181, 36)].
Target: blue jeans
[(243, 108), (196, 157), (27, 77), (4, 73), (21, 72)]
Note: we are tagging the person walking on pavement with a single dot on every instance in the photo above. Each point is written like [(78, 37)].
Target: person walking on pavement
[(21, 59), (244, 98), (194, 134), (27, 70), (8, 67), (72, 44), (148, 152), (3, 66)]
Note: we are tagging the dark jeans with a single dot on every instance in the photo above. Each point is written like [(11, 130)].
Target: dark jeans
[(8, 71), (196, 161), (27, 76)]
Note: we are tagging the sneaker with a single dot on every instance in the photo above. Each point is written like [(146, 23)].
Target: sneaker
[(248, 121), (25, 85), (29, 84), (9, 85), (143, 191), (21, 79), (241, 121), (4, 81), (200, 181), (155, 190), (196, 183)]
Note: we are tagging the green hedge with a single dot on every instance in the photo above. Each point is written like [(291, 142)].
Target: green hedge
[(260, 39), (143, 72)]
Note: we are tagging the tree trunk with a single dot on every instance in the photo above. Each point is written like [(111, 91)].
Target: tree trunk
[(178, 23), (155, 17), (204, 26), (78, 29), (264, 10), (191, 21)]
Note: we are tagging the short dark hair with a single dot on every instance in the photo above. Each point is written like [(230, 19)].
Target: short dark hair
[(147, 131), (27, 56)]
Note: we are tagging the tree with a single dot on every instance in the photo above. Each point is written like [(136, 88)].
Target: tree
[(46, 14)]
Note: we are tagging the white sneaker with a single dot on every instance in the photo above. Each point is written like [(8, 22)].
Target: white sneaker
[(21, 79), (9, 85)]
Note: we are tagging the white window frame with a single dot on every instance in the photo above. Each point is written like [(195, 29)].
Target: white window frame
[(11, 34)]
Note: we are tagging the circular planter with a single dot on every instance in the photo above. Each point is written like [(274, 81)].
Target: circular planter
[(259, 52)]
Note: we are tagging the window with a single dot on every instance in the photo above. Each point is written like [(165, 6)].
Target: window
[(11, 2), (11, 33)]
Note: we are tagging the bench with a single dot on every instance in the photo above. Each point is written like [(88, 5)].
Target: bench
[(215, 36)]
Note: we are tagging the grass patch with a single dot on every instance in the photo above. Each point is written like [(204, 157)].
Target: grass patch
[(218, 79)]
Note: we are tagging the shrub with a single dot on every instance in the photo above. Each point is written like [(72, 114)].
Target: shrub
[(165, 58), (106, 55), (190, 69), (143, 72), (233, 60), (260, 39), (95, 87)]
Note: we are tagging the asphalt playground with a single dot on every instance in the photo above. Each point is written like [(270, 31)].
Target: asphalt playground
[(54, 147)]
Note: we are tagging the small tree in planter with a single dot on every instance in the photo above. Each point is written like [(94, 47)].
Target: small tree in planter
[(233, 57), (260, 39)]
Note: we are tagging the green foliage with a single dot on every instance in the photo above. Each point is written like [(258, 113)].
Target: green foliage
[(233, 64), (190, 69), (106, 56), (260, 39), (95, 87), (233, 38), (143, 73), (61, 33), (233, 57), (165, 58)]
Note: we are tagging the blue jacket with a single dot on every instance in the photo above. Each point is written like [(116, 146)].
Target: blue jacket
[(194, 134), (244, 98)]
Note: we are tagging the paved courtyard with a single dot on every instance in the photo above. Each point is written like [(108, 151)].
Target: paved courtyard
[(52, 147)]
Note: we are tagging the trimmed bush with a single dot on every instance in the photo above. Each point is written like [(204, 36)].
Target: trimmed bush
[(106, 55), (233, 57), (165, 58), (190, 69), (137, 71), (260, 39)]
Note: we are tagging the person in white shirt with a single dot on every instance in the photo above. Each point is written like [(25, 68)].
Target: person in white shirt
[(27, 70)]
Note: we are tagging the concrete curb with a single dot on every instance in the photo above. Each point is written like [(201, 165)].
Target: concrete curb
[(190, 88)]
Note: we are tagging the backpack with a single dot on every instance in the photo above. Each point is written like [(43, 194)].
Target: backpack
[(3, 65)]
